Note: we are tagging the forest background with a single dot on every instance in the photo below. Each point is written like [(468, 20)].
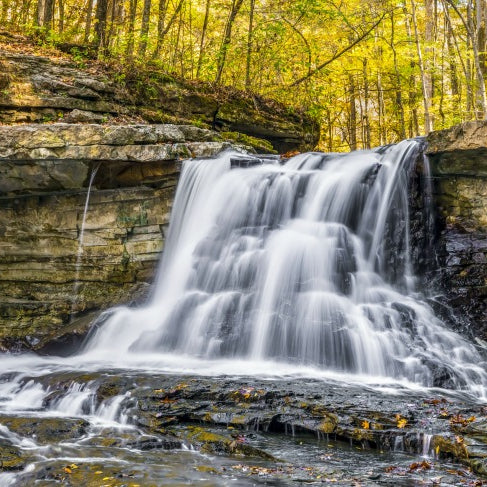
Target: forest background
[(372, 72)]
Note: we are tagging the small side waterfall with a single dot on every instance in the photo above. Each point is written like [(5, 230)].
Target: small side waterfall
[(304, 263), (79, 254)]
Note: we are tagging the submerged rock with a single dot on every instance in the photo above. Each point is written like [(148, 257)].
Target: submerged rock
[(11, 457), (46, 430)]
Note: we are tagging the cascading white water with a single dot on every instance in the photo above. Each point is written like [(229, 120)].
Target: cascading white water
[(305, 263), (300, 270)]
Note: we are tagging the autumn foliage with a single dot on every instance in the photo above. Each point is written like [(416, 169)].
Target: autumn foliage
[(372, 72)]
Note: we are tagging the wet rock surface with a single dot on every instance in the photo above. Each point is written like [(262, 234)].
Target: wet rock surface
[(46, 430), (10, 457), (458, 158), (248, 431)]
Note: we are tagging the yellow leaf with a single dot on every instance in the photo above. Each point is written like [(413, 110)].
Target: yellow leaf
[(365, 424), (73, 466), (471, 419), (67, 470), (459, 439), (401, 423), (98, 472), (437, 450)]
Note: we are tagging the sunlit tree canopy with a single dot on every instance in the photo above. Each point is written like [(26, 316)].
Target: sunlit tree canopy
[(372, 71)]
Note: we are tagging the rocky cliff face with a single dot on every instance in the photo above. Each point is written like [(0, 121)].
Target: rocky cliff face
[(50, 284), (458, 159), (50, 86), (48, 280)]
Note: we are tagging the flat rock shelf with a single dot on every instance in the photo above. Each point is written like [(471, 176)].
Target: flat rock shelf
[(134, 428)]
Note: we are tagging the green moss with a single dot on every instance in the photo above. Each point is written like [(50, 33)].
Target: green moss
[(260, 145), (10, 457), (327, 426)]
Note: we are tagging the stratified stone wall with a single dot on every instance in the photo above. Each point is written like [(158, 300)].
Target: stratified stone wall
[(458, 159), (55, 88), (47, 283)]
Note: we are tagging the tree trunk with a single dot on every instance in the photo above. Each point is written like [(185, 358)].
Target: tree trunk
[(466, 70), (365, 117), (40, 13), (101, 27), (428, 125), (227, 37), (352, 125), (161, 17), (24, 17), (399, 102), (129, 51), (381, 109), (144, 29), (164, 30), (472, 39), (115, 20), (48, 14), (429, 51), (481, 102), (249, 44), (481, 34), (61, 15), (3, 15), (202, 40), (455, 85), (89, 13)]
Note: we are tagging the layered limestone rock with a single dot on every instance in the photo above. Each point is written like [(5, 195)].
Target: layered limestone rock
[(47, 279), (458, 159), (54, 87)]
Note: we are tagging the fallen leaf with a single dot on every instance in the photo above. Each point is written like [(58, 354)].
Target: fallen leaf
[(424, 465), (401, 422)]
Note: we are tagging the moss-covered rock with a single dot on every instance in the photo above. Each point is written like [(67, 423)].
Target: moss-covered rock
[(11, 457), (46, 430), (53, 88)]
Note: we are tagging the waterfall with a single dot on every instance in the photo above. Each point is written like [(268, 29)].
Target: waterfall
[(304, 263), (79, 253)]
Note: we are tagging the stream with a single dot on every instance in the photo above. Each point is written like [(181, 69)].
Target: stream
[(284, 342)]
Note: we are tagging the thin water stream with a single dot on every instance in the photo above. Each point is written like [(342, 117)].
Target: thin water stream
[(79, 253)]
